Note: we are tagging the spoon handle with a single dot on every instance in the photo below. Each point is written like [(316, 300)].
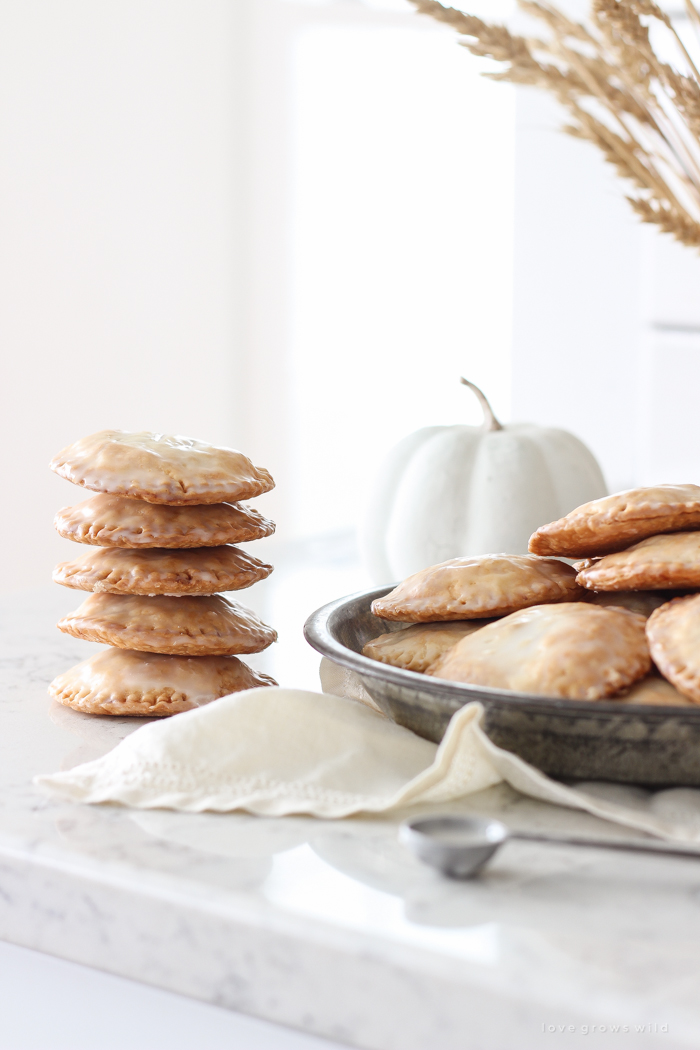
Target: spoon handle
[(618, 844)]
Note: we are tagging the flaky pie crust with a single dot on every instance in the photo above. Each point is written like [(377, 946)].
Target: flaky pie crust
[(665, 562), (615, 522), (654, 691), (416, 648), (478, 588), (199, 570), (160, 468), (117, 521), (187, 626), (674, 640), (123, 682), (573, 651)]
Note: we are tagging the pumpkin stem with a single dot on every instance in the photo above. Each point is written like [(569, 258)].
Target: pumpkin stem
[(490, 421)]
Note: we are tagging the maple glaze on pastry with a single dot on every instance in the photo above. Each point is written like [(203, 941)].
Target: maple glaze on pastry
[(198, 570), (642, 602), (574, 651), (616, 522), (664, 562), (116, 521), (674, 640), (477, 588), (160, 468), (123, 682), (416, 648), (187, 626), (654, 691)]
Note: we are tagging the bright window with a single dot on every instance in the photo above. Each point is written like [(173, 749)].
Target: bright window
[(401, 251)]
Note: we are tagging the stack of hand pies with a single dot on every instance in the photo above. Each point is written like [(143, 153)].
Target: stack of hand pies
[(601, 629), (160, 531)]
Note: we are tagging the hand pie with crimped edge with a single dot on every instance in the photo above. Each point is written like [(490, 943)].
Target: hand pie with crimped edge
[(187, 626), (123, 682), (615, 522), (416, 648), (654, 691), (572, 651), (160, 468), (674, 639), (642, 602), (203, 570), (478, 588), (116, 521), (662, 562)]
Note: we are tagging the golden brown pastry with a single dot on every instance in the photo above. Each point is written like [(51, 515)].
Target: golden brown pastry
[(199, 570), (477, 588), (115, 521), (654, 691), (657, 563), (416, 648), (574, 651), (160, 468), (615, 522), (122, 682), (674, 640), (185, 626), (642, 602)]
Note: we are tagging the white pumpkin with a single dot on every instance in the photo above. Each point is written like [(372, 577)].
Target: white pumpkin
[(446, 492)]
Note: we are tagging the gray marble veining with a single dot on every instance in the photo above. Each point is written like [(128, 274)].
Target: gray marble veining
[(333, 927)]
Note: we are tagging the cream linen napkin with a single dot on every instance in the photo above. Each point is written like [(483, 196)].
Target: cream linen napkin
[(275, 751)]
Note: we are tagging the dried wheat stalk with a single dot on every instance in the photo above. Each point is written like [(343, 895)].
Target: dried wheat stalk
[(642, 112)]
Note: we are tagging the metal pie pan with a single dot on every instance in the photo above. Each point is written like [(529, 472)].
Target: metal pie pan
[(569, 739)]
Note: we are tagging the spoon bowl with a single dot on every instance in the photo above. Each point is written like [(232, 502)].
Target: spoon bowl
[(457, 846)]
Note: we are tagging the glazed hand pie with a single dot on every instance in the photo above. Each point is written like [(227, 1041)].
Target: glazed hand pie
[(159, 468), (660, 562), (416, 648), (642, 602), (122, 682), (115, 521), (479, 587), (615, 522), (674, 639), (203, 570), (654, 691), (573, 651), (185, 626)]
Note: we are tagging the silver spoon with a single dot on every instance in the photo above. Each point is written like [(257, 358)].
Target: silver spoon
[(460, 846)]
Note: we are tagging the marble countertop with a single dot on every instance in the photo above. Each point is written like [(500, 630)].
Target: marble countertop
[(333, 927)]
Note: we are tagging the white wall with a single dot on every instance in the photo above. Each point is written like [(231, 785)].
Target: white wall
[(120, 159), (669, 423), (577, 324), (402, 211), (606, 329)]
